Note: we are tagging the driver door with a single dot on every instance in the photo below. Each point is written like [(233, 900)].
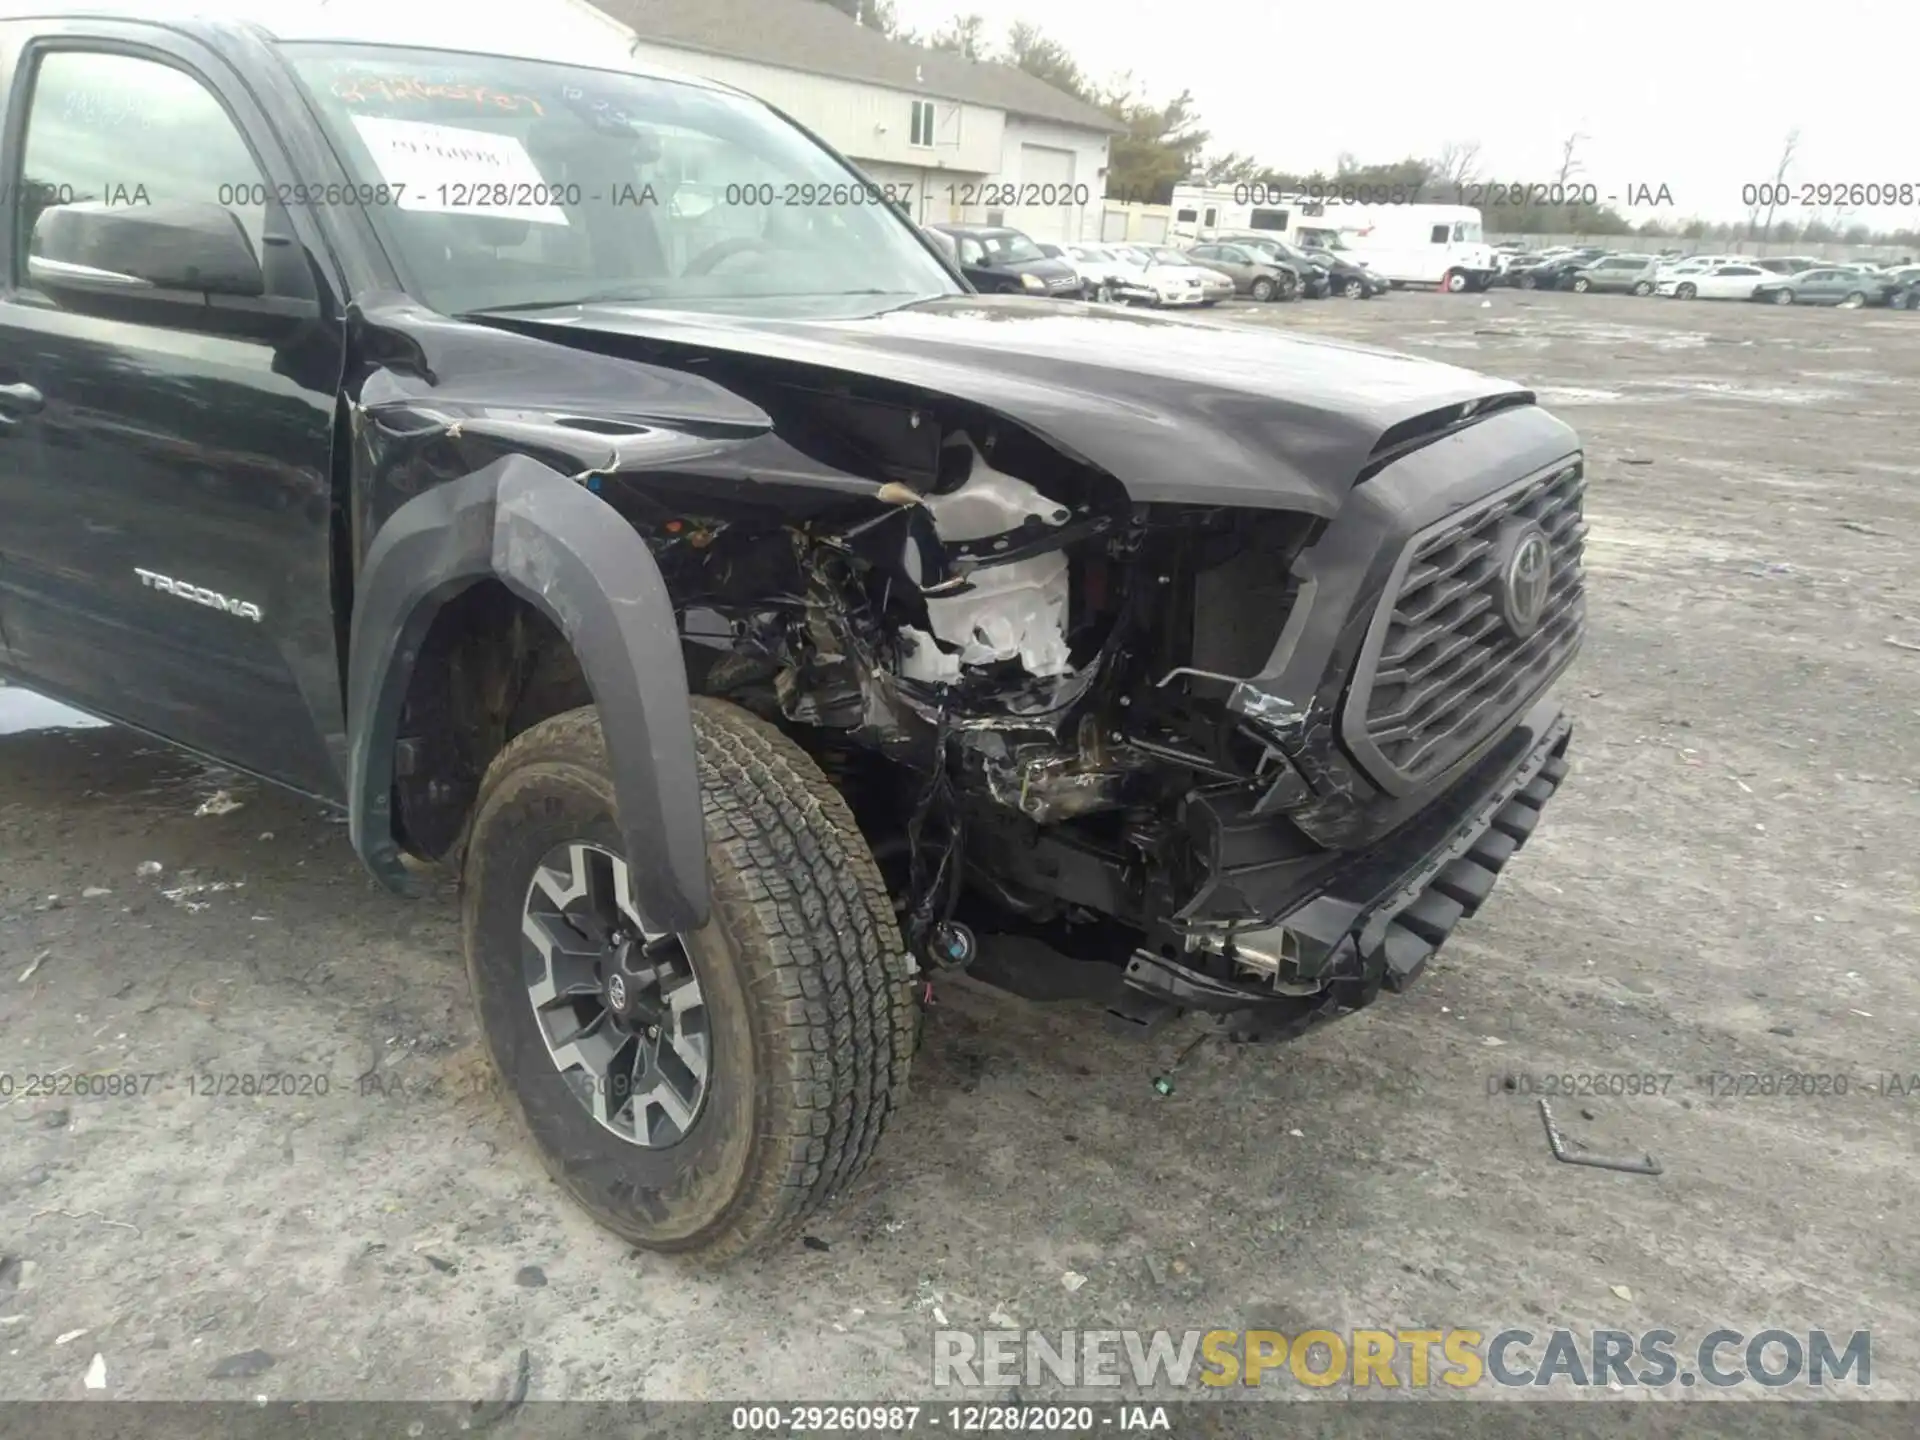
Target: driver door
[(165, 483)]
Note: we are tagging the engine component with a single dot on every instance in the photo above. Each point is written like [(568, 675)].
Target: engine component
[(1014, 611)]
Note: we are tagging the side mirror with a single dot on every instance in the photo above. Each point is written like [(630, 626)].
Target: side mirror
[(177, 263), (93, 248)]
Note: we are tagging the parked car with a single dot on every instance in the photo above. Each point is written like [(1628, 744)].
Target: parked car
[(1905, 291), (1696, 265), (1788, 264), (1553, 274), (653, 570), (1632, 273), (1719, 282), (1000, 261), (1325, 272), (1104, 275), (1314, 267), (1215, 285), (1256, 275), (1847, 289), (1096, 282), (1164, 286)]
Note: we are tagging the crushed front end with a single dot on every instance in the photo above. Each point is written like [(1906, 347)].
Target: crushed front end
[(1257, 762)]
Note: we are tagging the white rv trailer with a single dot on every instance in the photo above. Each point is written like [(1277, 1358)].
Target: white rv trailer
[(1407, 243)]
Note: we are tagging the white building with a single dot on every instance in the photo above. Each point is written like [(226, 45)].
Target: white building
[(969, 141)]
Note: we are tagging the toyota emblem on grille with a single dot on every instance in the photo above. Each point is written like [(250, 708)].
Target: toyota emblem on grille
[(1526, 576)]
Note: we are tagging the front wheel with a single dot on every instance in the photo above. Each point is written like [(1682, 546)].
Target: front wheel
[(1853, 301), (1354, 289), (1528, 281), (698, 1093), (1263, 289), (1687, 292), (1582, 285), (1783, 297), (1456, 281), (1645, 287)]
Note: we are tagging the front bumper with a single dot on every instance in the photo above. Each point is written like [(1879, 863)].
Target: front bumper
[(1380, 916)]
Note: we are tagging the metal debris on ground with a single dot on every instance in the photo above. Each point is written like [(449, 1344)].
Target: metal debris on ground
[(1647, 1165), (218, 803), (1163, 1084), (38, 960)]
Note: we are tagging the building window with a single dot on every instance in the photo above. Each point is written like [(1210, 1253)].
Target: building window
[(921, 133)]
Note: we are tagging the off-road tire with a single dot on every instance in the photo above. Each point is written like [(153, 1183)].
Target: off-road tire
[(803, 972)]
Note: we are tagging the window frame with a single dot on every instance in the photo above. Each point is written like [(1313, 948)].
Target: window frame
[(921, 108), (351, 259)]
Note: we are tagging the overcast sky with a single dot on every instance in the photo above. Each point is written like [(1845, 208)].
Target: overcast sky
[(1699, 97)]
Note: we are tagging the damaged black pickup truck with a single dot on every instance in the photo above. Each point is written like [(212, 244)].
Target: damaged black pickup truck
[(595, 485)]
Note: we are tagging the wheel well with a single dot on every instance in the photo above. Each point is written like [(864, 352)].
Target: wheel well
[(491, 666)]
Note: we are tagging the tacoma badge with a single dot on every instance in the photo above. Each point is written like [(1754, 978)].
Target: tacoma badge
[(213, 599)]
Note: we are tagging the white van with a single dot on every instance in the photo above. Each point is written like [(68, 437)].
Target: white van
[(1440, 245)]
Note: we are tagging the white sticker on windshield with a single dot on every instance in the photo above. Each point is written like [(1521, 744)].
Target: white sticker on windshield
[(447, 170)]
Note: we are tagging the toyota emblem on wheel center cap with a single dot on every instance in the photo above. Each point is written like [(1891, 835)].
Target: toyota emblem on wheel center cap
[(617, 992), (1526, 577)]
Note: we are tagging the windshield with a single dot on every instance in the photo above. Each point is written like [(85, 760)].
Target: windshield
[(501, 182), (1166, 255), (1009, 247)]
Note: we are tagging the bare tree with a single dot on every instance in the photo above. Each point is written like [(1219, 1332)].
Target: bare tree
[(1458, 163), (1570, 165), (1780, 176)]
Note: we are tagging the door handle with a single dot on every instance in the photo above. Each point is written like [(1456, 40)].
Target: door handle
[(21, 399)]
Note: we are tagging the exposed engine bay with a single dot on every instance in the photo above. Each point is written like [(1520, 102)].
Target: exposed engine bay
[(1003, 669)]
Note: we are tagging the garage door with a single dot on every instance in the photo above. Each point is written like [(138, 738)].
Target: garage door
[(1043, 165)]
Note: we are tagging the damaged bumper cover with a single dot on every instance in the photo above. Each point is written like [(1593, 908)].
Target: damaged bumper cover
[(1380, 916)]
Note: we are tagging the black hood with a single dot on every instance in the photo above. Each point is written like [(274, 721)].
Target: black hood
[(1178, 411)]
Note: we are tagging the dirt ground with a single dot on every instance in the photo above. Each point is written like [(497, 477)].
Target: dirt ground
[(1727, 883)]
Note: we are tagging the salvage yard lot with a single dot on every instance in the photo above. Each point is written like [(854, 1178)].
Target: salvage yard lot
[(1725, 885)]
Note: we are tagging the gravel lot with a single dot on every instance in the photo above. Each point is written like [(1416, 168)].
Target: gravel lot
[(1727, 883)]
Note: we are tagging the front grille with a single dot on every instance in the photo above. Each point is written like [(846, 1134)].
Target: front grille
[(1449, 671)]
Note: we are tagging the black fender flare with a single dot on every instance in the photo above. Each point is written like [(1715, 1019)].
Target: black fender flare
[(566, 553)]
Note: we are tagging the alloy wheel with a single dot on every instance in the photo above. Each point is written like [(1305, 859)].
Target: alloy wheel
[(620, 1009)]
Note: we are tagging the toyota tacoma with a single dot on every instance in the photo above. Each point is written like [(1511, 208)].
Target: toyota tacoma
[(596, 486)]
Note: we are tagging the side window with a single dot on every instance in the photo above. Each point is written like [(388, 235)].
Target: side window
[(970, 251), (1212, 218), (124, 130), (1440, 234), (1186, 217)]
